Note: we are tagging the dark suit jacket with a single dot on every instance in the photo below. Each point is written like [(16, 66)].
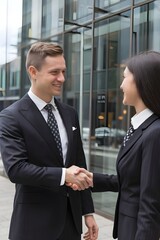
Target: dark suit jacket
[(32, 161), (137, 215)]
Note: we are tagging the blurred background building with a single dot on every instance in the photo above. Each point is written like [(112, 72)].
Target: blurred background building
[(97, 37)]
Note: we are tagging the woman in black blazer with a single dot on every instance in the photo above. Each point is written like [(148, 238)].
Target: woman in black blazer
[(137, 215)]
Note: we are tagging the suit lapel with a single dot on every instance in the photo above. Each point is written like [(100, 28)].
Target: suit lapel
[(137, 134), (123, 150), (35, 118)]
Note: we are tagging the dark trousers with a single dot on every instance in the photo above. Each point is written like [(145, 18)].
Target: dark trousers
[(70, 231)]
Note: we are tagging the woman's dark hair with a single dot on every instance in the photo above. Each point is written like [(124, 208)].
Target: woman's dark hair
[(145, 68)]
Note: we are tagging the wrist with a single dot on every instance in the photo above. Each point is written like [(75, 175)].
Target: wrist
[(66, 175)]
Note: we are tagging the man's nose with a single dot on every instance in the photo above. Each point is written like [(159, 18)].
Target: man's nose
[(61, 77)]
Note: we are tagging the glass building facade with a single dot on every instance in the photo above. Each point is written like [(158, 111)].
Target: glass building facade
[(97, 37)]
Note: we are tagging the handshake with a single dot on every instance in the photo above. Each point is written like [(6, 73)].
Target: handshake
[(78, 178)]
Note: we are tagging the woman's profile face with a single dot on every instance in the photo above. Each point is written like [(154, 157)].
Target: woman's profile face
[(130, 93)]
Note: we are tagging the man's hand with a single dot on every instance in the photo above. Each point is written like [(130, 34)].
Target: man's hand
[(78, 178), (92, 233)]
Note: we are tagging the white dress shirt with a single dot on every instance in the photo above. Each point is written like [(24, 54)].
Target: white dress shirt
[(62, 131), (139, 118)]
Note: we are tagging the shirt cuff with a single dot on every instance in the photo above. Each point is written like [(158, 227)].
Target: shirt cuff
[(88, 214), (63, 176)]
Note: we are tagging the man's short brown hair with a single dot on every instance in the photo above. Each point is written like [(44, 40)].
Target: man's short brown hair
[(39, 51)]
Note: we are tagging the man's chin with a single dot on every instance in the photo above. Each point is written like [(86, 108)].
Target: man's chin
[(57, 93)]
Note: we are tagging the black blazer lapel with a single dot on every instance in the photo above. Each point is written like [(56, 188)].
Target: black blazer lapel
[(33, 115), (137, 134)]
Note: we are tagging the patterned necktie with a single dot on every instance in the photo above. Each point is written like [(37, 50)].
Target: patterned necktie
[(52, 123), (128, 135)]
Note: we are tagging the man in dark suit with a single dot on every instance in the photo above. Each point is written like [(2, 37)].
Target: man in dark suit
[(44, 207)]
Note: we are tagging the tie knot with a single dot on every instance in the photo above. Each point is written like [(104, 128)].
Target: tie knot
[(49, 107)]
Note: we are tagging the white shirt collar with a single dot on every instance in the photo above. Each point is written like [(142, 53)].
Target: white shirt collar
[(139, 118), (39, 102)]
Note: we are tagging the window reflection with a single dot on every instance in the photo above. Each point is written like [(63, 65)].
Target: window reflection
[(109, 6), (51, 10), (146, 27), (109, 116), (78, 12)]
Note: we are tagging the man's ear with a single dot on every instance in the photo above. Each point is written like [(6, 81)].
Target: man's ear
[(32, 71)]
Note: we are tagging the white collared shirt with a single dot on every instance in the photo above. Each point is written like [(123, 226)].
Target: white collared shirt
[(139, 118), (63, 134)]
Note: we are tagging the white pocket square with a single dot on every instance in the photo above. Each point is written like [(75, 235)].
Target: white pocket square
[(74, 128)]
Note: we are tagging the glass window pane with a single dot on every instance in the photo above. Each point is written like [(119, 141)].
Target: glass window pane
[(146, 27), (108, 7), (52, 17), (31, 29), (109, 116), (78, 49), (139, 1), (10, 27), (78, 12)]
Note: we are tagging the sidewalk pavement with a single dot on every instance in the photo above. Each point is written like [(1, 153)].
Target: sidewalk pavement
[(6, 202)]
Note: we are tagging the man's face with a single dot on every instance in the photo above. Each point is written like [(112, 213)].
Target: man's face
[(48, 81)]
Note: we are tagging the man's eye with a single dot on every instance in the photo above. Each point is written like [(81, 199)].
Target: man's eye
[(54, 73)]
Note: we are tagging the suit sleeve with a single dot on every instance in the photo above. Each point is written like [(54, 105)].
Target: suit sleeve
[(148, 222), (104, 182), (15, 157)]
